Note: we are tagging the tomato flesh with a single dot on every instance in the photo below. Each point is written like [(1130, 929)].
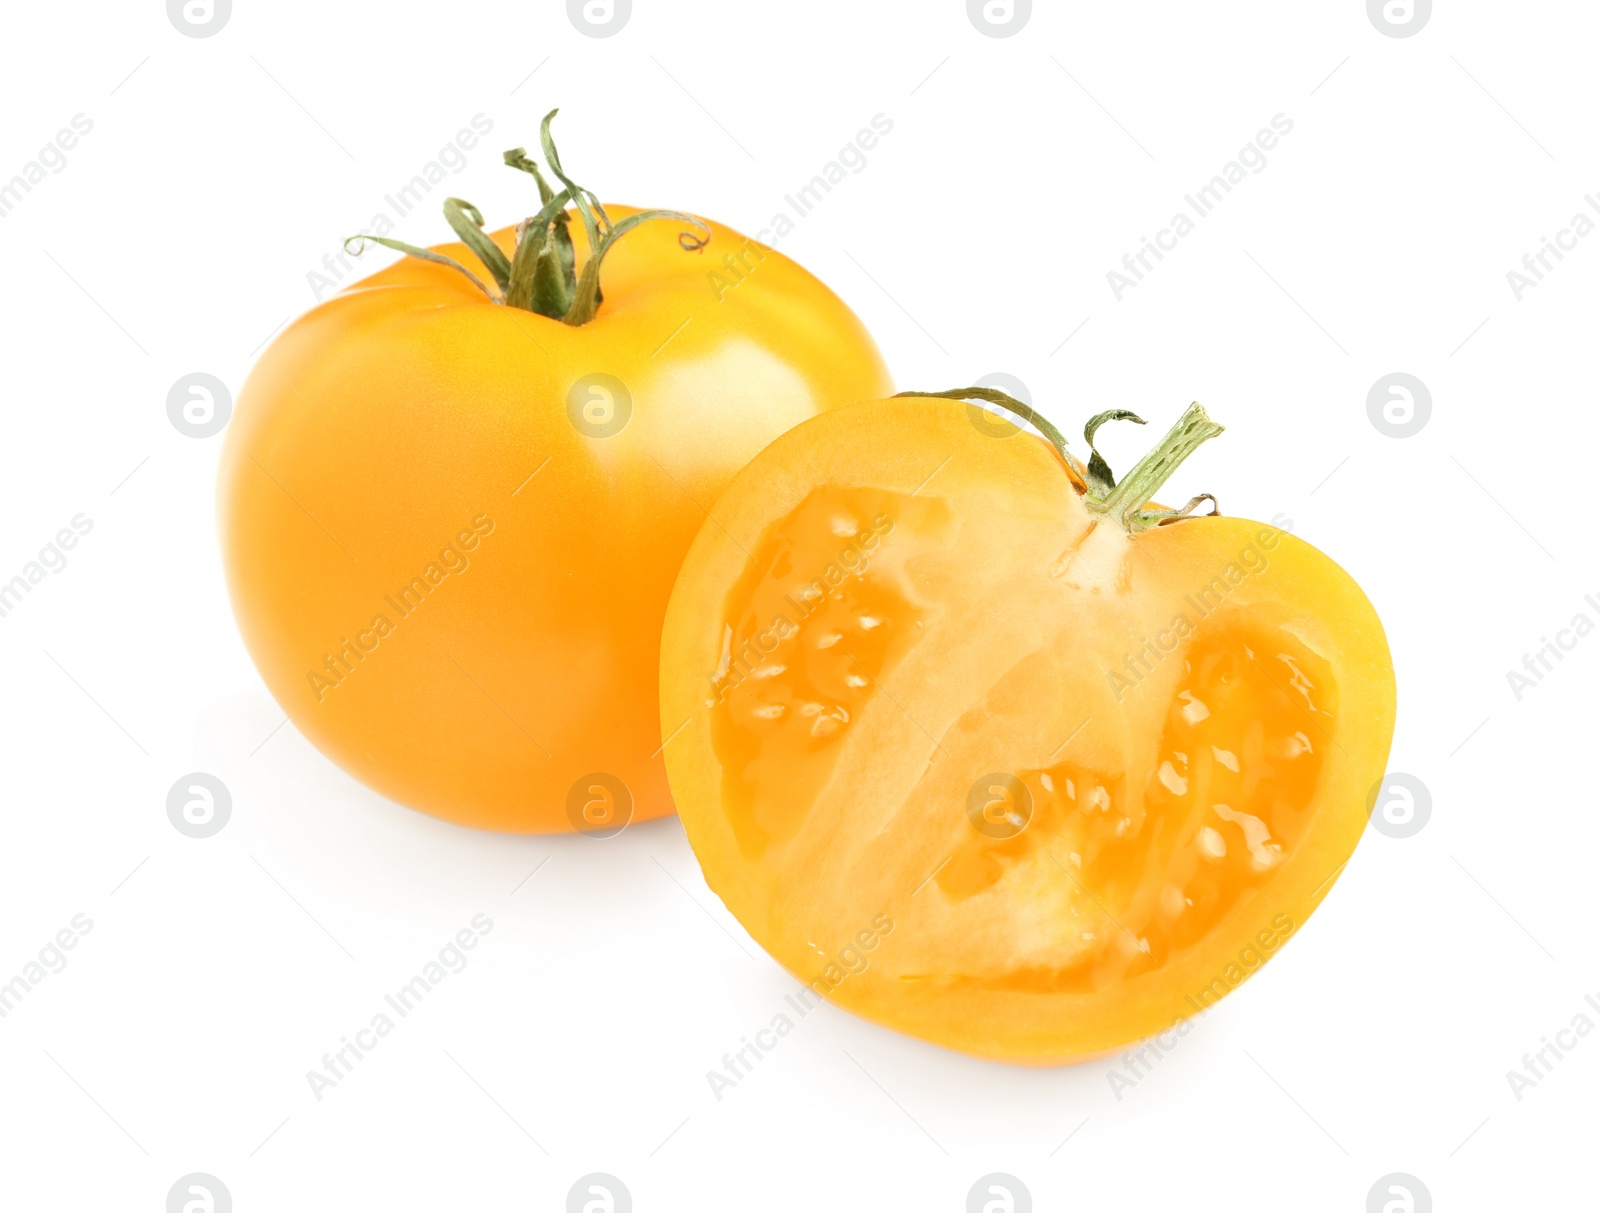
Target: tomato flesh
[(1136, 863), (1090, 780), (1152, 864), (776, 726)]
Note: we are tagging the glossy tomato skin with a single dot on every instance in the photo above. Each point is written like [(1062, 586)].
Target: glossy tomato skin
[(450, 528)]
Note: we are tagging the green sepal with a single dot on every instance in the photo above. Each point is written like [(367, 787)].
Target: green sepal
[(1011, 404), (586, 299), (1101, 481), (421, 254), (467, 222), (528, 289)]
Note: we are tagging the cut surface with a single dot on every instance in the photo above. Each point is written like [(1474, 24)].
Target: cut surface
[(813, 625), (1144, 862), (1088, 782)]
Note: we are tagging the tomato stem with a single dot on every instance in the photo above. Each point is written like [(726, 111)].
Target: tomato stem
[(1126, 500), (540, 275)]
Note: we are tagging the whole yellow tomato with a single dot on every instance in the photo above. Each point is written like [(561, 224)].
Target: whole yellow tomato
[(451, 515)]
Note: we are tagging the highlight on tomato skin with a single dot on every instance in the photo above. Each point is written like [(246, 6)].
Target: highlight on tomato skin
[(986, 747), (454, 495)]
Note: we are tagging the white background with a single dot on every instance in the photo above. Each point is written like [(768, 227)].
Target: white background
[(179, 237)]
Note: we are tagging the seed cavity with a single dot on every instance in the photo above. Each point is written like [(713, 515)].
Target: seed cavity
[(1172, 902), (826, 726), (1298, 680), (1263, 854)]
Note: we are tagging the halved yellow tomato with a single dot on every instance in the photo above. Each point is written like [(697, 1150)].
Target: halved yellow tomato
[(983, 746)]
